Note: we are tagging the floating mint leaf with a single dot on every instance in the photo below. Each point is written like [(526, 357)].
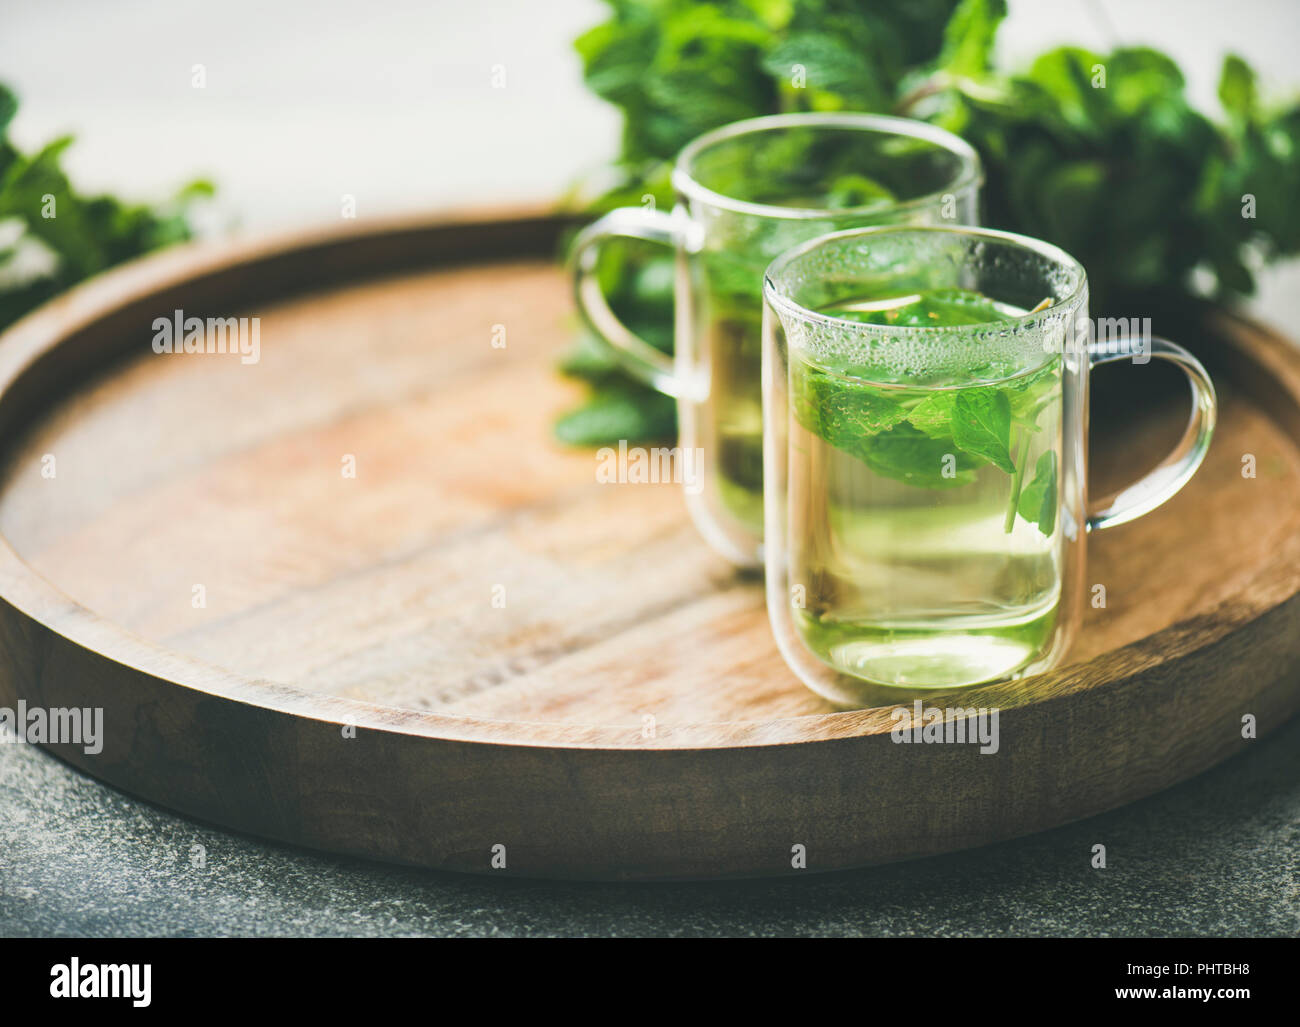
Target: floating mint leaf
[(935, 308), (865, 423), (1038, 500), (844, 413), (905, 454), (933, 415), (1029, 396), (981, 424), (962, 306)]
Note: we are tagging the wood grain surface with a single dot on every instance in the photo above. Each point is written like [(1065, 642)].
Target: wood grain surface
[(332, 600)]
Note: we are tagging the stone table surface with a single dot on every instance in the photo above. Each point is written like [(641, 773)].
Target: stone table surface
[(1218, 856)]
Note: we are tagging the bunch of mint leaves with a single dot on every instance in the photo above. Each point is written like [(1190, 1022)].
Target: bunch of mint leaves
[(52, 236), (1099, 153)]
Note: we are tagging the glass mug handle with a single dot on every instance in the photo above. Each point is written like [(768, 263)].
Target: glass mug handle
[(1176, 469), (652, 366)]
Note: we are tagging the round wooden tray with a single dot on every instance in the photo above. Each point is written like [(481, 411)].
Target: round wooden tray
[(353, 682)]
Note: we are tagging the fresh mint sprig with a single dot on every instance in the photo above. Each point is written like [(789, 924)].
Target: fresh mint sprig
[(73, 235)]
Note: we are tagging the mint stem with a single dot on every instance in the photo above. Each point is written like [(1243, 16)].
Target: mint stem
[(1016, 480)]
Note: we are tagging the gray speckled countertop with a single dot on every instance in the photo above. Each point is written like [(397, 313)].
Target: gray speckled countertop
[(1217, 856)]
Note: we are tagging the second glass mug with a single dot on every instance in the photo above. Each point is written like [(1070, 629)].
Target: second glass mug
[(744, 194), (925, 397)]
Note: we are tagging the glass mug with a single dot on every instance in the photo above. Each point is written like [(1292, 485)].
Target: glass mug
[(744, 194), (925, 400)]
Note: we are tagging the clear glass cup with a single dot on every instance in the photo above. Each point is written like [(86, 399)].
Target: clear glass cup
[(925, 399), (744, 194)]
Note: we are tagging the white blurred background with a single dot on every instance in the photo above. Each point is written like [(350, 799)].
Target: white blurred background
[(391, 101)]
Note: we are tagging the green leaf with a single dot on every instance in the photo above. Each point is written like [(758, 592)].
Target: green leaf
[(1237, 88), (8, 107), (933, 415), (1067, 74), (1038, 499), (1030, 394), (616, 413), (981, 424), (615, 57), (968, 39), (197, 189), (1071, 192), (843, 412), (590, 359), (868, 423), (832, 64), (1140, 82), (775, 14), (907, 455)]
